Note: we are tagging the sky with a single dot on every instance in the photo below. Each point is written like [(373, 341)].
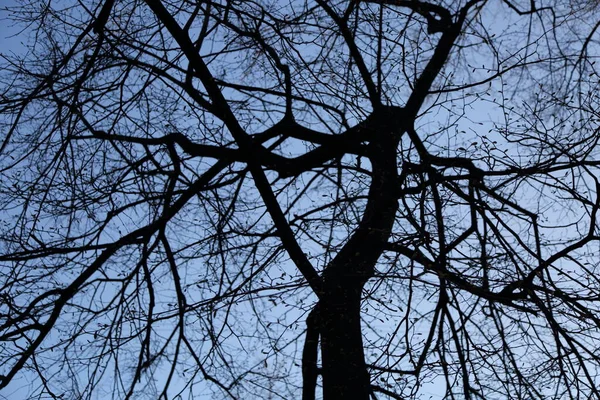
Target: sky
[(9, 34), (11, 42)]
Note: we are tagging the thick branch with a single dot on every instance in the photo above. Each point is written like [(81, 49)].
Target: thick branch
[(244, 142), (438, 18), (102, 17)]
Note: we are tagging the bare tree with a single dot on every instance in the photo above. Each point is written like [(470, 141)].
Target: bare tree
[(319, 199)]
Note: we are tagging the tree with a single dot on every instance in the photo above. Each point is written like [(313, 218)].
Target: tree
[(260, 199)]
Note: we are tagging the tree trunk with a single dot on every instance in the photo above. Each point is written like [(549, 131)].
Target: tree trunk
[(344, 371), (345, 374), (310, 355)]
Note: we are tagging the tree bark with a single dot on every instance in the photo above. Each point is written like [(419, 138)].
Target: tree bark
[(345, 374), (310, 355)]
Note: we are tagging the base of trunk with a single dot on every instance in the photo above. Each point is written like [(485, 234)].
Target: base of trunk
[(345, 374)]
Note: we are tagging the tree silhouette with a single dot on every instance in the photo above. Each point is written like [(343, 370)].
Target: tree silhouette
[(389, 199)]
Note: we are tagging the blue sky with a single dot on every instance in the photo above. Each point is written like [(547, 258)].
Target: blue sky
[(8, 31)]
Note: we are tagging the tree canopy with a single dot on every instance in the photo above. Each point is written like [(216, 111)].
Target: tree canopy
[(357, 199)]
